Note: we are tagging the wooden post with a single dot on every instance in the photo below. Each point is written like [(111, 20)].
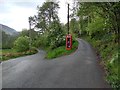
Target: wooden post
[(68, 19)]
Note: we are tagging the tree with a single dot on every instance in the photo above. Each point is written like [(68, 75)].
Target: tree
[(7, 40), (74, 26), (56, 35), (24, 32), (46, 15), (101, 21), (109, 11), (22, 44), (49, 26)]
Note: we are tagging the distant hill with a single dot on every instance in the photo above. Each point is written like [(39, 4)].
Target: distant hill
[(8, 30)]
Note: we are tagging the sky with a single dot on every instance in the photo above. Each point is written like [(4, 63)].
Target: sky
[(15, 13)]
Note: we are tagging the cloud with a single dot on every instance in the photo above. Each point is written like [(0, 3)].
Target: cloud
[(15, 13), (17, 18), (63, 10), (25, 4), (28, 4), (4, 7)]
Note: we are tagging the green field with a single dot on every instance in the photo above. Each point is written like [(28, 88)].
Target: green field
[(0, 54), (3, 51), (0, 51), (6, 54)]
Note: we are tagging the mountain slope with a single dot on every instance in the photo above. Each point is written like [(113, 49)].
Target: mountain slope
[(8, 30)]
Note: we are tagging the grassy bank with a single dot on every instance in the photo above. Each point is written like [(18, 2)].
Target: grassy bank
[(7, 54), (60, 51), (107, 50), (0, 54)]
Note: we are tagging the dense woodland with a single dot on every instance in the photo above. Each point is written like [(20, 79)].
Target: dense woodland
[(97, 23)]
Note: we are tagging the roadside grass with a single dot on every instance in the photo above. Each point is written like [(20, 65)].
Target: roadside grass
[(60, 51), (108, 51), (0, 54), (0, 51), (7, 54), (4, 51)]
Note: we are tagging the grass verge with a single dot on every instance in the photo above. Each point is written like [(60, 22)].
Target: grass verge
[(7, 54), (60, 51), (108, 51)]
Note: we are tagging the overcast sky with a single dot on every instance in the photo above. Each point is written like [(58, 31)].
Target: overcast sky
[(15, 13)]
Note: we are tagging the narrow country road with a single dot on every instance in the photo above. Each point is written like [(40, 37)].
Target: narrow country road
[(78, 70)]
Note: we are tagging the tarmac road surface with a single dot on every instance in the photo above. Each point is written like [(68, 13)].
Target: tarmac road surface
[(77, 70)]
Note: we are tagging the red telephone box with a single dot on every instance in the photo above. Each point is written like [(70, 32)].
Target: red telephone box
[(68, 42)]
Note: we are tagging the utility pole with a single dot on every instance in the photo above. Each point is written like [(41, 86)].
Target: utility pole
[(68, 18), (68, 37)]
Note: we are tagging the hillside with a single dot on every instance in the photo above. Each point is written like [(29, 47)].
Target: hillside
[(8, 30)]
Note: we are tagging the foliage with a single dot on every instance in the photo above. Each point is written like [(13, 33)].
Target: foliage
[(50, 32), (40, 42), (108, 52), (47, 22), (47, 13), (94, 31), (74, 27), (7, 40), (24, 32), (12, 53), (113, 75), (60, 51), (29, 33), (99, 24), (22, 44), (56, 36)]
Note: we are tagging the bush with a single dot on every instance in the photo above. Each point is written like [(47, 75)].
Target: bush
[(12, 53), (56, 36), (41, 42), (22, 44), (60, 51), (113, 74)]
